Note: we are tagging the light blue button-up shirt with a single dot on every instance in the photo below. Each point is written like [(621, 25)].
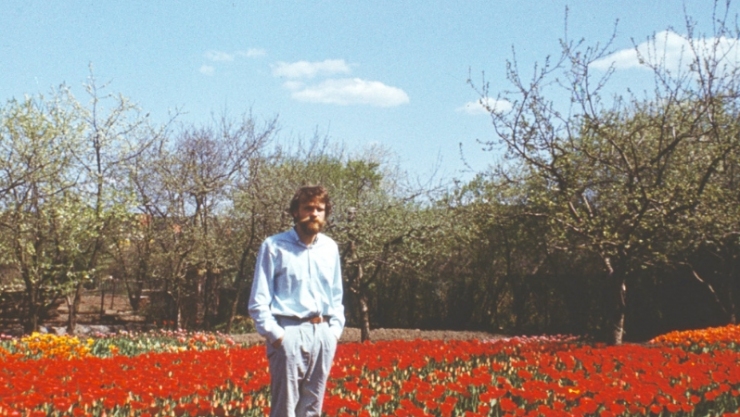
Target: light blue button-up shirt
[(295, 280)]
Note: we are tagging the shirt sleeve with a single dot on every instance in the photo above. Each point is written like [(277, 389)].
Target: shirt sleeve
[(336, 324), (261, 296)]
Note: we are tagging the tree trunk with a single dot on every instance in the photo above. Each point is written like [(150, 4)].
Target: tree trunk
[(617, 302), (365, 318), (356, 287), (178, 308), (134, 295), (73, 309), (241, 275), (31, 321), (210, 296), (102, 301), (618, 319), (234, 307), (240, 283), (113, 294), (364, 314)]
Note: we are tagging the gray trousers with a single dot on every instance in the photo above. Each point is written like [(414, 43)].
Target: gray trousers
[(300, 367)]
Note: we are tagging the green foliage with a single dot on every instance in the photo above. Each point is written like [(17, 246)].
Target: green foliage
[(59, 191), (39, 209)]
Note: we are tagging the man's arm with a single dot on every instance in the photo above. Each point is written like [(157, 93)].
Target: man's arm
[(337, 293), (261, 296)]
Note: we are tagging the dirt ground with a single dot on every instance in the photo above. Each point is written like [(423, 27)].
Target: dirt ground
[(351, 334), (118, 305)]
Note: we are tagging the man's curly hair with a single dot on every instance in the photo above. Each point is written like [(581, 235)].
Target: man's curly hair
[(309, 193)]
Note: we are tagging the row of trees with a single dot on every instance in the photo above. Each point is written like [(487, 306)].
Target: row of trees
[(94, 191), (602, 195), (636, 181)]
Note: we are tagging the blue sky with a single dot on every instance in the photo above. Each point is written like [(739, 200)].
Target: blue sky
[(383, 72)]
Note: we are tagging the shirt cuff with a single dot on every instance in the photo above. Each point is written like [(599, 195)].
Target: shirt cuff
[(336, 330), (274, 335)]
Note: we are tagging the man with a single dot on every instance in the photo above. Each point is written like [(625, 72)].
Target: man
[(296, 304)]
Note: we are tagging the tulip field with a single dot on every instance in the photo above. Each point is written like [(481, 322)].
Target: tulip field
[(692, 373)]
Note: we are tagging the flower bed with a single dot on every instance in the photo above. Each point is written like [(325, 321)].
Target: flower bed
[(725, 337), (527, 377), (38, 345)]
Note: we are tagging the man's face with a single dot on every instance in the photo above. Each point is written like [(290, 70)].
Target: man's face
[(310, 216)]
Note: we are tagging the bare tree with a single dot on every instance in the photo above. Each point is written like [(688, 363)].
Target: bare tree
[(617, 174), (185, 189)]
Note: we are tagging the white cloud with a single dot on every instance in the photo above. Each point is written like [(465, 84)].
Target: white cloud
[(305, 69), (219, 56), (485, 106), (340, 91), (253, 53), (671, 50), (293, 85), (348, 91)]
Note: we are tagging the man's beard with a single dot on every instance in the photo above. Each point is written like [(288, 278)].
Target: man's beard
[(310, 227)]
